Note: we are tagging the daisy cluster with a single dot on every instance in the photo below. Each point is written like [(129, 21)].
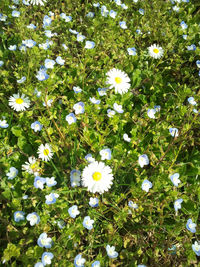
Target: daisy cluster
[(91, 111)]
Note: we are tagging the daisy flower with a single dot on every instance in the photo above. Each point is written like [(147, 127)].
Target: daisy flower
[(118, 80), (19, 103), (37, 2), (97, 177), (155, 51), (31, 166), (45, 152)]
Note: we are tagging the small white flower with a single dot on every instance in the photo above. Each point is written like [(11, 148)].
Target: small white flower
[(48, 103), (73, 211), (126, 138), (79, 108), (12, 173), (143, 160), (33, 218), (95, 101), (89, 45), (192, 101), (105, 154), (151, 113), (175, 179), (111, 252), (88, 223), (70, 118), (89, 158), (118, 108), (122, 24), (111, 113), (146, 185)]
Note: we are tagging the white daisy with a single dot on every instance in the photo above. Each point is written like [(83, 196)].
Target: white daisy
[(118, 80), (19, 103), (45, 152), (155, 51), (37, 2), (31, 166), (97, 177)]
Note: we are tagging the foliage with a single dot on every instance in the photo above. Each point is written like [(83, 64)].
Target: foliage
[(144, 235)]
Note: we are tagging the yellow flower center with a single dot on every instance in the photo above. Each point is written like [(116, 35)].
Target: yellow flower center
[(19, 101), (118, 80), (156, 51), (46, 152), (33, 166), (97, 176)]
